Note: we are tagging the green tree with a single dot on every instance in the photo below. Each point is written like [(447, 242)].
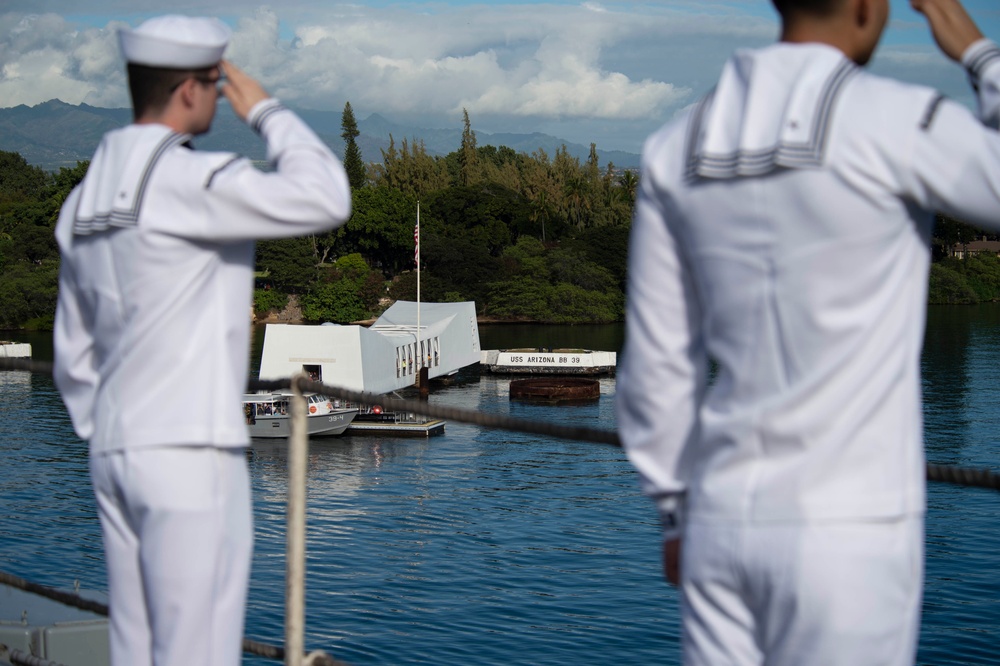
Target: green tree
[(468, 156), (432, 288), (268, 300), (289, 262), (463, 264), (629, 182), (381, 228), (606, 247), (28, 295), (571, 304), (19, 181), (30, 200), (948, 286), (950, 232), (557, 285), (411, 170), (349, 292), (578, 202), (66, 179), (489, 214), (353, 163)]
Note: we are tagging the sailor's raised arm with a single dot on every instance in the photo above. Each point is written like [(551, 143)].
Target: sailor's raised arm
[(961, 40), (952, 27), (242, 90), (955, 160), (307, 192)]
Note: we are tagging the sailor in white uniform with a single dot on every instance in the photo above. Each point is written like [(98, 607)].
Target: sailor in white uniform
[(153, 329), (782, 232)]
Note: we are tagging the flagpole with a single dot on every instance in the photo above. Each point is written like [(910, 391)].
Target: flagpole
[(416, 235)]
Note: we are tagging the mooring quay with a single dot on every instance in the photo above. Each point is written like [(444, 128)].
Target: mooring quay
[(548, 361)]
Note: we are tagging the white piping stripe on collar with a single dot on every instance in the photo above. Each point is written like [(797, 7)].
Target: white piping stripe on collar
[(761, 162), (130, 217)]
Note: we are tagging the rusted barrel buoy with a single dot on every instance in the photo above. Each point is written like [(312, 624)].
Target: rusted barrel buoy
[(555, 390)]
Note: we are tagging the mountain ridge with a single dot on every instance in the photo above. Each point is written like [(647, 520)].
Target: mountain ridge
[(56, 134)]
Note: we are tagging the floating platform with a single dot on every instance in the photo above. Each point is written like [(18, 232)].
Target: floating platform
[(49, 630), (548, 361), (556, 390), (397, 428), (14, 349)]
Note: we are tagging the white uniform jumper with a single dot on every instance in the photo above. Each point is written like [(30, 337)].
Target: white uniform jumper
[(782, 230), (152, 356)]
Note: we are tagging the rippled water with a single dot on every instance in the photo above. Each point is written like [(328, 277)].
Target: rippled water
[(484, 547)]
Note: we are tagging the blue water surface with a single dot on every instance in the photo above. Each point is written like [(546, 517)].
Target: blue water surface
[(487, 547)]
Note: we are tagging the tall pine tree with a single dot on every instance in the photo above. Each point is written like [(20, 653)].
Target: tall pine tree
[(467, 155), (353, 163)]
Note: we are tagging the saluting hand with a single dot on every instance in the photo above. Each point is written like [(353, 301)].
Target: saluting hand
[(952, 27), (242, 90)]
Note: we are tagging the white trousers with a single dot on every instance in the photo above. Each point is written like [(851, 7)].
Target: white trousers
[(838, 594), (178, 535)]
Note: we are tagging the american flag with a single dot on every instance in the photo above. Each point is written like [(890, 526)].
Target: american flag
[(416, 244)]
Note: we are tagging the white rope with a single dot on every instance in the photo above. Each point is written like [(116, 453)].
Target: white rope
[(295, 554), (317, 657)]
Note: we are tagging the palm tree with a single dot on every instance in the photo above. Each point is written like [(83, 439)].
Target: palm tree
[(629, 183), (577, 189)]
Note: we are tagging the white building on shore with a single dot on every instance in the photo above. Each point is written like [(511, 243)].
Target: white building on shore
[(15, 349), (380, 359)]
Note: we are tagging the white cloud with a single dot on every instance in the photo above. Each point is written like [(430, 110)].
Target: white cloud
[(627, 65), (528, 60), (539, 60), (45, 57)]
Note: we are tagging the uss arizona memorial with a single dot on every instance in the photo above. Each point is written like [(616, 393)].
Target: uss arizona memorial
[(386, 357), (443, 337)]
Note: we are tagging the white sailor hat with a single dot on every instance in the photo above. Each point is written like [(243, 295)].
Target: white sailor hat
[(175, 42)]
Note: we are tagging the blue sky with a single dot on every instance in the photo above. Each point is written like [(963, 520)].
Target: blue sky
[(606, 71)]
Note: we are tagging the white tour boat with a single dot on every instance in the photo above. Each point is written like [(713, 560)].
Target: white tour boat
[(267, 415)]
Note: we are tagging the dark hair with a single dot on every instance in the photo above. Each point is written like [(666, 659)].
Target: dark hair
[(789, 8), (151, 87)]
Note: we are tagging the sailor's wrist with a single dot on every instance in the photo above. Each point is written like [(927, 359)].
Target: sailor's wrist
[(260, 113), (974, 50), (672, 512), (980, 56)]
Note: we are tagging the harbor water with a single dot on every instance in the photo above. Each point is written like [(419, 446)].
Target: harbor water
[(489, 547)]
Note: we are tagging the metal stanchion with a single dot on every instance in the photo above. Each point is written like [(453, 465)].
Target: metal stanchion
[(295, 563), (295, 554)]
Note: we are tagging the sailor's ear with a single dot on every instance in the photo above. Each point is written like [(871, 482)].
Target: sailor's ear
[(861, 12), (185, 92), (867, 12)]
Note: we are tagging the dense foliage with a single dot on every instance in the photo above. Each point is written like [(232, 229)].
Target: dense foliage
[(527, 237), (30, 200), (266, 301), (973, 278)]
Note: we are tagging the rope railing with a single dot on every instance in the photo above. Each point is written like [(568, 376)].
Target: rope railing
[(19, 658), (424, 408), (979, 478)]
